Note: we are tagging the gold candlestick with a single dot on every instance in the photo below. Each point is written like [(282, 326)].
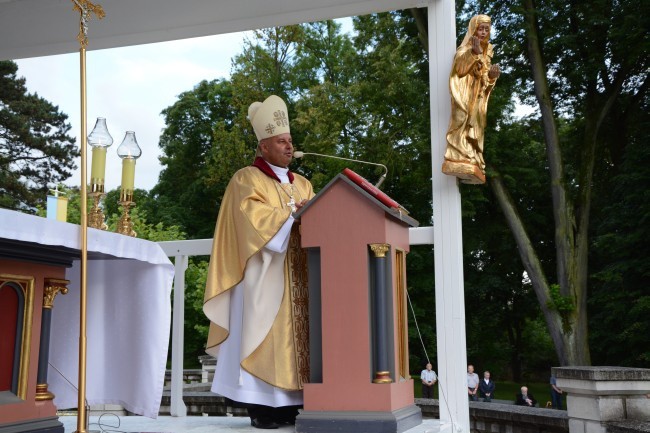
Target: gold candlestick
[(125, 224), (96, 215)]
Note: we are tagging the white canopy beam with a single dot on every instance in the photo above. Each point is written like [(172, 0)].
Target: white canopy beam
[(447, 227)]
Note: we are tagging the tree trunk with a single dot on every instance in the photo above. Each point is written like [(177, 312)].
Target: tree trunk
[(532, 265), (566, 313), (421, 21)]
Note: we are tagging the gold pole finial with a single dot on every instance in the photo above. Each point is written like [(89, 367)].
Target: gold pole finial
[(85, 8)]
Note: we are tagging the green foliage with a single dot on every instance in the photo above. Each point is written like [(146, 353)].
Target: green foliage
[(620, 303), (562, 304), (35, 150), (594, 58), (155, 232), (184, 195), (196, 330)]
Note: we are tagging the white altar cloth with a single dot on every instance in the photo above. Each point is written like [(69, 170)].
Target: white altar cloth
[(128, 315)]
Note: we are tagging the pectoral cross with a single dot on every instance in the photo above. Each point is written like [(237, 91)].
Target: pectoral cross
[(292, 205)]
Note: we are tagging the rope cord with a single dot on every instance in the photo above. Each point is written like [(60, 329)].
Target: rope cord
[(442, 390)]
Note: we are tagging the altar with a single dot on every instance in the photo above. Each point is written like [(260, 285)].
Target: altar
[(128, 310)]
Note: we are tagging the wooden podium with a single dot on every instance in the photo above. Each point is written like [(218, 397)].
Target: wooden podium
[(359, 375)]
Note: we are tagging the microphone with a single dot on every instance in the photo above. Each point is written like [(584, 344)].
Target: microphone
[(382, 178)]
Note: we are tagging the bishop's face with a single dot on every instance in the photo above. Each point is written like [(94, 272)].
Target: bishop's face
[(277, 150)]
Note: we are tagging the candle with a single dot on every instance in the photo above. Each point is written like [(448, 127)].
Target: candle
[(129, 151), (98, 167), (128, 174)]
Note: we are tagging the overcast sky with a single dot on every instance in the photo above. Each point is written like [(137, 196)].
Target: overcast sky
[(130, 87)]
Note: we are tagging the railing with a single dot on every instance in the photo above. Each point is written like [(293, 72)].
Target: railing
[(182, 251)]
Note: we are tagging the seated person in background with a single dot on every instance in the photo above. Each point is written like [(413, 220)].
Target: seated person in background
[(524, 398), (486, 387)]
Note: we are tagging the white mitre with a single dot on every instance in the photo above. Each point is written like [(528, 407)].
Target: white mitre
[(269, 118)]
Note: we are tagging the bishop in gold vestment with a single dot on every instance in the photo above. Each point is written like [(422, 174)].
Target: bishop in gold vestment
[(256, 293)]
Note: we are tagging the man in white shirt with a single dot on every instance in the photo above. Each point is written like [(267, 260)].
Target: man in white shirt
[(472, 383), (429, 379)]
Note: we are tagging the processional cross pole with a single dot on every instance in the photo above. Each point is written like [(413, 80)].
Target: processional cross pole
[(85, 9)]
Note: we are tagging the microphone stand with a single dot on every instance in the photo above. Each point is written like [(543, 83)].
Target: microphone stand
[(382, 178)]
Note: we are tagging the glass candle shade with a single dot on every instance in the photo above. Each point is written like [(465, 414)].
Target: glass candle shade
[(129, 151), (100, 139)]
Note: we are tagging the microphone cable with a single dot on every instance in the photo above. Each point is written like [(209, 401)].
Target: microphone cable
[(99, 420)]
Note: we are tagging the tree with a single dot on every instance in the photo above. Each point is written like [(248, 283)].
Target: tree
[(366, 97), (207, 137), (578, 60), (619, 305), (387, 120), (182, 195), (584, 66), (35, 149)]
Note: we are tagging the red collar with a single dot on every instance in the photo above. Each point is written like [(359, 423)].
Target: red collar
[(267, 170)]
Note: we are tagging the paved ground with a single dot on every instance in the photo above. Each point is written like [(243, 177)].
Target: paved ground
[(191, 424)]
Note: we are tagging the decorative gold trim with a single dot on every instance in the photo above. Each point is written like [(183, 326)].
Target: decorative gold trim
[(51, 287), (126, 195), (299, 288), (42, 394), (27, 285), (96, 186), (379, 250), (402, 316), (382, 377)]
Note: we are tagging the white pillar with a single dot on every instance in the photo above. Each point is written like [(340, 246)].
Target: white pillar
[(177, 406), (447, 226)]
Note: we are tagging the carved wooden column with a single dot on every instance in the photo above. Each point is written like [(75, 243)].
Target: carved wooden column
[(51, 287)]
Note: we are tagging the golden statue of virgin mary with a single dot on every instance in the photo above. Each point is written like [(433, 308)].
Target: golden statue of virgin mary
[(471, 80)]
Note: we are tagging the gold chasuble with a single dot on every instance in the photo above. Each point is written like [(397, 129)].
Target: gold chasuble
[(275, 337)]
